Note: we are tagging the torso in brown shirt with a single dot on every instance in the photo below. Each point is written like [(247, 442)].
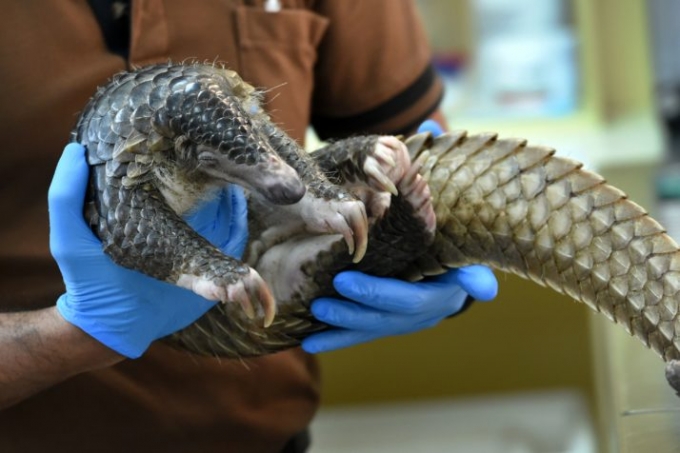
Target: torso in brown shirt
[(311, 59)]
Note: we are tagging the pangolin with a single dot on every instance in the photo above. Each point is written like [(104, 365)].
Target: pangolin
[(162, 138)]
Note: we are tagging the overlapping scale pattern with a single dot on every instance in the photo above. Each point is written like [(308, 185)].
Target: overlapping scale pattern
[(504, 203), (521, 209)]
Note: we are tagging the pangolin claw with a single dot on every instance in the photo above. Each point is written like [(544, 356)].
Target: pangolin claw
[(386, 164), (250, 291), (358, 223), (346, 217), (381, 180), (351, 221), (413, 186)]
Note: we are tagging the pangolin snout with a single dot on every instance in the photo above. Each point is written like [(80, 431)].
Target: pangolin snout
[(285, 192), (278, 182)]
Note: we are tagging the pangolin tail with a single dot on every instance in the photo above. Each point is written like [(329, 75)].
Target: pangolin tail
[(519, 208)]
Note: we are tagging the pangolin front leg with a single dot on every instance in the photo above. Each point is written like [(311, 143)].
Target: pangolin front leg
[(301, 267), (169, 136), (141, 232), (325, 208), (375, 168)]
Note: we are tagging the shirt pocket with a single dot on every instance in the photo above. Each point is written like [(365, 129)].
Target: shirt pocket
[(277, 53)]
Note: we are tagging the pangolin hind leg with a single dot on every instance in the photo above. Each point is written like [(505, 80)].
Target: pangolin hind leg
[(379, 171), (371, 167)]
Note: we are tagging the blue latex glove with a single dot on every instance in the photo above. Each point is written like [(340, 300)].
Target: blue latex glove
[(124, 309), (431, 126), (379, 307)]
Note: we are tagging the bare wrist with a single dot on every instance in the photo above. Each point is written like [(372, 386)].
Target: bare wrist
[(39, 349), (86, 351)]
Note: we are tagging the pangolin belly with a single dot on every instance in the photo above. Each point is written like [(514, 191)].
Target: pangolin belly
[(456, 199)]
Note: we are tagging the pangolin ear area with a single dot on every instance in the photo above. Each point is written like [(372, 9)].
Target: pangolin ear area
[(137, 143), (158, 142), (125, 149), (184, 148)]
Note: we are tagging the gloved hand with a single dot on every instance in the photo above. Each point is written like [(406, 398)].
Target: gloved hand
[(121, 308), (223, 221), (431, 126), (379, 307)]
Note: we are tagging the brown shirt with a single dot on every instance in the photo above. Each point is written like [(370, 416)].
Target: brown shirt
[(346, 66)]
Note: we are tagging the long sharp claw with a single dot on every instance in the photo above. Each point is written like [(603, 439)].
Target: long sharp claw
[(344, 216), (244, 301), (386, 157), (359, 226), (252, 289), (348, 235), (238, 293), (268, 305), (385, 182), (259, 291)]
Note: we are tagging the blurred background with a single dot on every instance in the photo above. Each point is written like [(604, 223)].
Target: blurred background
[(533, 371)]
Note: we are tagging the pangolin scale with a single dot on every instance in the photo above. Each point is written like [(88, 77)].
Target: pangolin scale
[(163, 138)]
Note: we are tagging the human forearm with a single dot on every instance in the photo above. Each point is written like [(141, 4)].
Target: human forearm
[(39, 349)]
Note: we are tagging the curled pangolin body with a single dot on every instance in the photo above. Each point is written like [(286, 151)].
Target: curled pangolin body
[(161, 140), (500, 202)]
